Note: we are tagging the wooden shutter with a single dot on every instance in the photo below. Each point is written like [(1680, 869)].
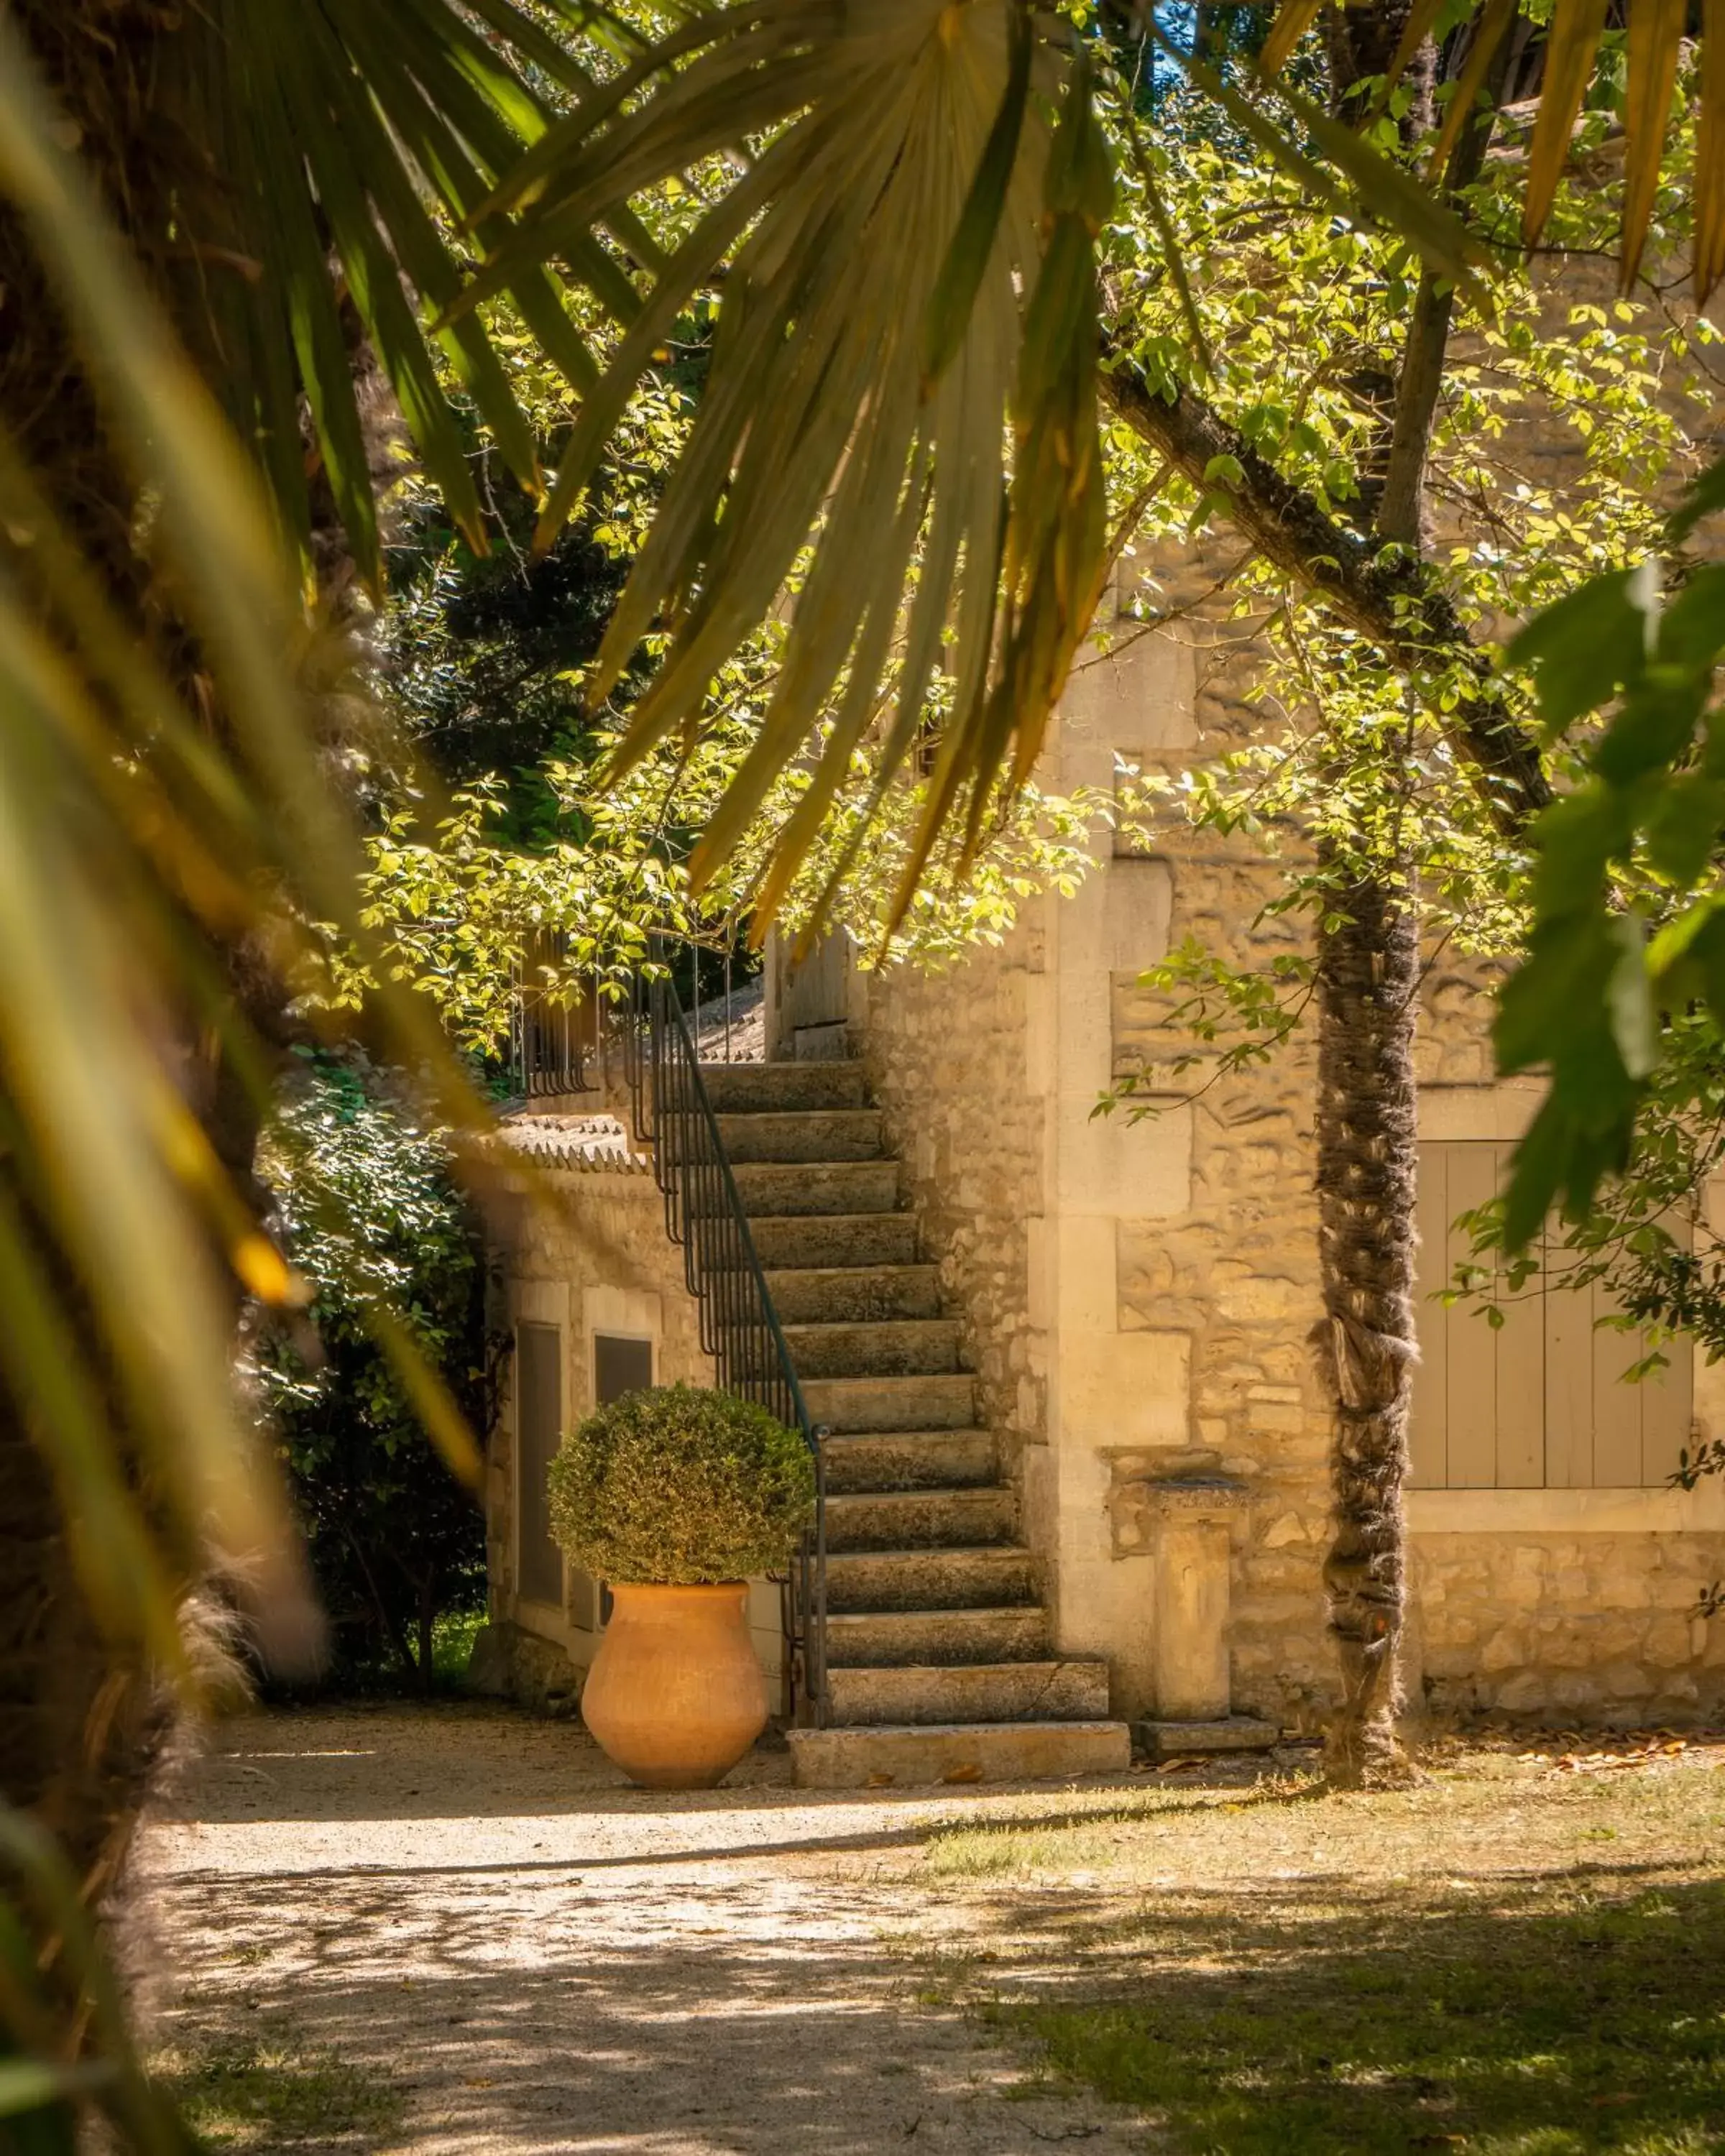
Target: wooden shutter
[(539, 1428), (620, 1366), (1538, 1402)]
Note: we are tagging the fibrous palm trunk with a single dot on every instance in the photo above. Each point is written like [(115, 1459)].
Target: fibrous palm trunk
[(1367, 976), (79, 1711)]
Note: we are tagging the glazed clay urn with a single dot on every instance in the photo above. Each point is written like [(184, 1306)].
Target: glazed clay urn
[(675, 1695)]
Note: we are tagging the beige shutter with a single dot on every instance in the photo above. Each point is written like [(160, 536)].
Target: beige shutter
[(1538, 1401)]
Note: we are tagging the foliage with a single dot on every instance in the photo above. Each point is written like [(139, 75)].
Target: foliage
[(680, 1488), (372, 1216), (1628, 945), (1352, 764), (48, 2072)]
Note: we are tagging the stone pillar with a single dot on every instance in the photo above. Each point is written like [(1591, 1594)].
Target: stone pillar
[(1193, 1524), (1192, 1540)]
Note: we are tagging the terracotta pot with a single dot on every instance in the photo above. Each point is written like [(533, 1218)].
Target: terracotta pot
[(674, 1695)]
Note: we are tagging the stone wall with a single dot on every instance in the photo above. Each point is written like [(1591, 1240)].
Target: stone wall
[(947, 1056), (1138, 1295), (1221, 1254)]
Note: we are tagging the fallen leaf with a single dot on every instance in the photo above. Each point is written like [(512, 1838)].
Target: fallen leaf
[(1178, 1766), (968, 1772), (879, 1782)]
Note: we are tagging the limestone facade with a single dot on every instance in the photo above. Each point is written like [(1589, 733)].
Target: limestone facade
[(1137, 1294), (580, 1234)]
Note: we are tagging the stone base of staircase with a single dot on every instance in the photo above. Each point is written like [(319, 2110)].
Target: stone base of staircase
[(1232, 1732), (906, 1755)]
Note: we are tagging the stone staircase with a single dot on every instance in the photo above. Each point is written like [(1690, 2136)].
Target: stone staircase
[(940, 1666)]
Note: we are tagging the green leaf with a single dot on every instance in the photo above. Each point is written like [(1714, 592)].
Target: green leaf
[(1652, 730), (1575, 840), (1585, 649), (1704, 497), (1629, 999), (1683, 826)]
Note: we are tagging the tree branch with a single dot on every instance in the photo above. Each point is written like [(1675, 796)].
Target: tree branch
[(1390, 596), (1422, 368)]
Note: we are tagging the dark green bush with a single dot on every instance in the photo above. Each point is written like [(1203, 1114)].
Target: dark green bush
[(370, 1213), (680, 1488)]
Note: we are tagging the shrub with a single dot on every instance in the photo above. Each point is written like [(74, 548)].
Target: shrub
[(679, 1487), (371, 1213)]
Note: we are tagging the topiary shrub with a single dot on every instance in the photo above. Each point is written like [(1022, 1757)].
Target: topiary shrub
[(681, 1487)]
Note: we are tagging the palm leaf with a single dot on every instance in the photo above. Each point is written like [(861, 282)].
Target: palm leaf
[(882, 248), (133, 850), (1656, 31), (1709, 157)]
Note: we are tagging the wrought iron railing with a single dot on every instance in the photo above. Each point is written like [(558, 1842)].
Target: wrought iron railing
[(739, 1326)]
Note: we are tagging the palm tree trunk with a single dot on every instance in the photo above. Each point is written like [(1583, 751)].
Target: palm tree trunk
[(77, 1719), (1367, 976)]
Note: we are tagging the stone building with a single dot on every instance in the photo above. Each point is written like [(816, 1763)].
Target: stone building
[(1078, 1466)]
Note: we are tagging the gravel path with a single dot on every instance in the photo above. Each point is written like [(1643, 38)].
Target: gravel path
[(476, 1906)]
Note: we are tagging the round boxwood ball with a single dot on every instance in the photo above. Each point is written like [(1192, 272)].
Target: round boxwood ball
[(681, 1487)]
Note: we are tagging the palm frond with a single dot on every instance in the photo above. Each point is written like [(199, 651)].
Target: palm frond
[(1572, 41), (902, 374), (138, 848), (351, 140)]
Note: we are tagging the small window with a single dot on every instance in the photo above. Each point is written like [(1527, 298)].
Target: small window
[(620, 1366), (539, 1429)]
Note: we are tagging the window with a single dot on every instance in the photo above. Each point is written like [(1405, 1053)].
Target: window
[(538, 1431), (1538, 1402), (620, 1366)]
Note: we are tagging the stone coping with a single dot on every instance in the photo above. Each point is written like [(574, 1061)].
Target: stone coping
[(589, 1144), (1700, 1510)]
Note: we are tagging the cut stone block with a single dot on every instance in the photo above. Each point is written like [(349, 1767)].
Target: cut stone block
[(911, 1758), (774, 1088), (1233, 1732)]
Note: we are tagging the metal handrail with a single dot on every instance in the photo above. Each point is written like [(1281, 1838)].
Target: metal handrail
[(739, 1326)]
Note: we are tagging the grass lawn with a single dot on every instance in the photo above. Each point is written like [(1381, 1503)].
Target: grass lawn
[(1524, 1956), (272, 2092)]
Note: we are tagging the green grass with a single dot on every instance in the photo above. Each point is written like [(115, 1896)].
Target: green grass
[(271, 2094), (1509, 1959), (1529, 2032)]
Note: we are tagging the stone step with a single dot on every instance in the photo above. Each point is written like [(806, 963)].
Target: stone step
[(928, 1403), (930, 1579), (840, 1295), (835, 1242), (974, 1692), (771, 1188), (909, 1757), (778, 1088), (910, 1460), (921, 1519), (814, 1134), (894, 1347), (892, 1639)]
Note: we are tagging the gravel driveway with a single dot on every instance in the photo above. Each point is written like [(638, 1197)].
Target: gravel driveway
[(474, 1907)]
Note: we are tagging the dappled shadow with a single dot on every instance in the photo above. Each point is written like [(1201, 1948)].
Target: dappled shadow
[(532, 2014), (488, 1762), (1572, 2011)]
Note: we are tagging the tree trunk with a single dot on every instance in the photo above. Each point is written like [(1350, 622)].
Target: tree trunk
[(78, 1719), (1368, 971)]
